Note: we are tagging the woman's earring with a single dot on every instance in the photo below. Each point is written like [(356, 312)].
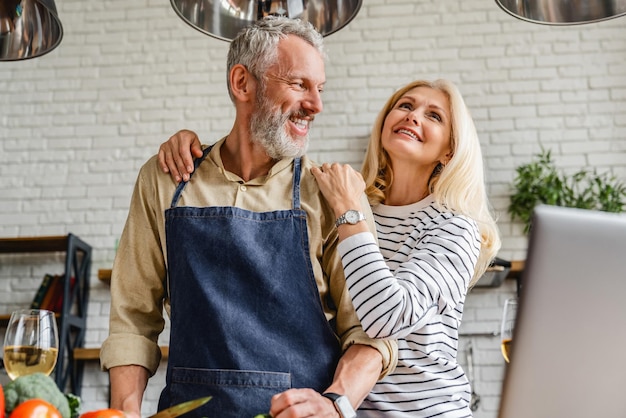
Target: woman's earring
[(438, 169)]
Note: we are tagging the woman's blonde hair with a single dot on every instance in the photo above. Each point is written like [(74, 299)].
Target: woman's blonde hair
[(458, 186)]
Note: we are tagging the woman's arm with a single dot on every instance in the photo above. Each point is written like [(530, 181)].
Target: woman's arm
[(428, 274)]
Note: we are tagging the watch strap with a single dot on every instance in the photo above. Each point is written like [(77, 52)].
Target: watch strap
[(351, 213), (332, 396)]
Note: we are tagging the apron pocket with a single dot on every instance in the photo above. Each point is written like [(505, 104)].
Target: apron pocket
[(236, 393)]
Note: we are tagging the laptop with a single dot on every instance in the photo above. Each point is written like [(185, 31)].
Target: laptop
[(568, 357)]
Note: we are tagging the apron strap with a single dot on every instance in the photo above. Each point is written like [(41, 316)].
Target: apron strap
[(296, 183), (182, 184)]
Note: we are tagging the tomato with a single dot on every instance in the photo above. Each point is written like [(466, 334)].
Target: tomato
[(35, 408), (104, 413), (1, 402)]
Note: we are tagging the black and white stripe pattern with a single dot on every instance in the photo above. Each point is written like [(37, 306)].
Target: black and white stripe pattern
[(413, 290)]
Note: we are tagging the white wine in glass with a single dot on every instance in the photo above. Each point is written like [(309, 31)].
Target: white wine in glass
[(508, 325), (31, 343)]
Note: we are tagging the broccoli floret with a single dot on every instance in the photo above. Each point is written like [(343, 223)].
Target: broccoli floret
[(74, 402), (36, 385)]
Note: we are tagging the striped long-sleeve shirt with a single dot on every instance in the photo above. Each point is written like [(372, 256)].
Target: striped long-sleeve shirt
[(413, 290)]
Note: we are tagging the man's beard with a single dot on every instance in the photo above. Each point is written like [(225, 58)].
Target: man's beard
[(269, 130)]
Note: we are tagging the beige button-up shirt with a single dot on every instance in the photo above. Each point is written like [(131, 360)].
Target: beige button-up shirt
[(139, 277)]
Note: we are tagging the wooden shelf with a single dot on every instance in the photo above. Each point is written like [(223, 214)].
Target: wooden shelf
[(104, 275), (4, 318), (90, 354), (33, 244), (517, 267)]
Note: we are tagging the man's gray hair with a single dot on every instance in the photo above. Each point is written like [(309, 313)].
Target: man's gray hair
[(256, 46)]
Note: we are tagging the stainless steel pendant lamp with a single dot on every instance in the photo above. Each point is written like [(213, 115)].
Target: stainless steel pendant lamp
[(223, 19), (564, 12), (28, 29)]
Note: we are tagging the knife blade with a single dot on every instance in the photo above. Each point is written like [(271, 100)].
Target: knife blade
[(181, 408)]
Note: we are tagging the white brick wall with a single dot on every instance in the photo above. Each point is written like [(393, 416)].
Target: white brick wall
[(76, 124)]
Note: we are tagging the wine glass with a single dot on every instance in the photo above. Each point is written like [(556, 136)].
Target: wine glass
[(508, 325), (31, 343)]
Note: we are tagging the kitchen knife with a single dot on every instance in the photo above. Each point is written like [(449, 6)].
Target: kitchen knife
[(181, 408)]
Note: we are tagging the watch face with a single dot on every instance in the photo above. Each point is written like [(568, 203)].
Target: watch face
[(345, 408), (352, 216)]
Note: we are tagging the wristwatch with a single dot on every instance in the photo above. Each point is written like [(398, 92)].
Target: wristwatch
[(351, 217), (342, 404)]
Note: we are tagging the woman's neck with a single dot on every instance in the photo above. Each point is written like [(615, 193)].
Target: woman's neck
[(410, 183), (405, 192)]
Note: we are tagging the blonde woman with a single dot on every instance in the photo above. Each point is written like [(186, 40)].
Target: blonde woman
[(423, 174)]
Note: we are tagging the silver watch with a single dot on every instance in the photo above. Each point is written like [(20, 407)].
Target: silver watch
[(351, 217), (342, 404)]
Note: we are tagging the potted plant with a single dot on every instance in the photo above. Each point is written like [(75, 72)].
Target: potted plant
[(540, 182)]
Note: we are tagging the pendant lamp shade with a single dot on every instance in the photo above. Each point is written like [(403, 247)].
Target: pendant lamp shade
[(28, 29), (223, 19), (564, 12)]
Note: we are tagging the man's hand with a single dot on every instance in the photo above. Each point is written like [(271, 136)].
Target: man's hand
[(295, 403), (176, 154)]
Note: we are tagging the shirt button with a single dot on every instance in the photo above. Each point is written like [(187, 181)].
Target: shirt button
[(243, 188)]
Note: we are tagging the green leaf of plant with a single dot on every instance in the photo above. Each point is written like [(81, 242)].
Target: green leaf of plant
[(539, 181)]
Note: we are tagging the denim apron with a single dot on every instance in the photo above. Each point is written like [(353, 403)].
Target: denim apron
[(246, 317)]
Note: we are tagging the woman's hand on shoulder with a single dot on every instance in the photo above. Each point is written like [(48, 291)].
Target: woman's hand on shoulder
[(341, 185), (177, 153)]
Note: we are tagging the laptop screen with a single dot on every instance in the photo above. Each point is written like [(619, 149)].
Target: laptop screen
[(568, 358)]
